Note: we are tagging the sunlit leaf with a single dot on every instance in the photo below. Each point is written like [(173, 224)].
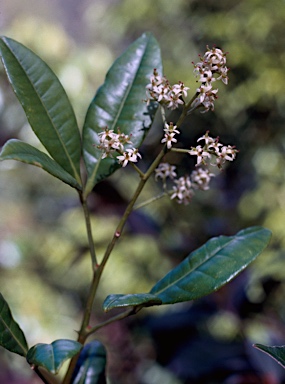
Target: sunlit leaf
[(276, 352), (52, 356), (18, 150), (141, 299), (119, 103), (11, 335), (45, 103), (211, 266), (91, 364)]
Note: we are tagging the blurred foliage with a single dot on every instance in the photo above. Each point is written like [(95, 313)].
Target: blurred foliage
[(43, 253)]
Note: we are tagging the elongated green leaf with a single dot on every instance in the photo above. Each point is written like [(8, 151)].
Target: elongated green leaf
[(211, 266), (141, 299), (276, 352), (45, 103), (90, 367), (18, 150), (119, 103), (11, 335), (52, 356)]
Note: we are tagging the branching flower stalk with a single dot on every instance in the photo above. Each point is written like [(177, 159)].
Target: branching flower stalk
[(67, 150), (119, 145), (111, 142)]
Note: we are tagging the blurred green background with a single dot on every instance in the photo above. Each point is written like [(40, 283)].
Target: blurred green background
[(44, 265)]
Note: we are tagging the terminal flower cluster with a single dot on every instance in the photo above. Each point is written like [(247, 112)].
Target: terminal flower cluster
[(160, 90), (212, 63), (212, 67), (114, 142)]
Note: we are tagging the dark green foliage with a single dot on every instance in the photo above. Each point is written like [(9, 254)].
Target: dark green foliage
[(91, 364), (11, 335), (118, 103), (140, 299), (45, 103), (52, 356), (18, 150), (276, 352), (211, 266)]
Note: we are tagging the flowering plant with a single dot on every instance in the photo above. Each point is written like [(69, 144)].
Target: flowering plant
[(115, 126)]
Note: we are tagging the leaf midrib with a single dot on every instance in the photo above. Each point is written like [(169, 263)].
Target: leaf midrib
[(193, 269), (131, 84), (23, 347), (93, 175), (44, 107)]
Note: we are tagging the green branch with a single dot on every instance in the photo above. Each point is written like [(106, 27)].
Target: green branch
[(120, 316), (89, 231)]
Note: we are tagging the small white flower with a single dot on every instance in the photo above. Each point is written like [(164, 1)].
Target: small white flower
[(207, 77), (223, 75), (228, 153), (169, 139), (201, 178), (170, 131), (214, 57), (180, 89), (225, 153), (215, 145), (182, 191), (131, 155), (170, 128), (201, 154), (209, 99), (164, 171), (203, 90), (208, 139), (174, 101), (161, 91)]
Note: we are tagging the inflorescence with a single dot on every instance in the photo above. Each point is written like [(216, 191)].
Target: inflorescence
[(210, 69), (184, 187)]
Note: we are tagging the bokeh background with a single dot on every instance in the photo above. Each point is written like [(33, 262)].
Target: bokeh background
[(44, 264)]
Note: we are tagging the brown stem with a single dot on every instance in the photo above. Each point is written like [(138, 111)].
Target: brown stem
[(120, 316), (98, 269), (46, 377), (89, 230)]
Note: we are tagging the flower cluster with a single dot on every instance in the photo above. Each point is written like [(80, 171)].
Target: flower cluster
[(210, 68), (161, 91), (111, 142), (170, 131), (184, 187), (212, 147), (164, 171), (182, 190), (213, 62)]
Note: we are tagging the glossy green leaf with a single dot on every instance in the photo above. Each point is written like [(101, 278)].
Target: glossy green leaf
[(141, 299), (119, 103), (211, 266), (91, 364), (276, 352), (18, 150), (11, 335), (45, 103), (52, 356)]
